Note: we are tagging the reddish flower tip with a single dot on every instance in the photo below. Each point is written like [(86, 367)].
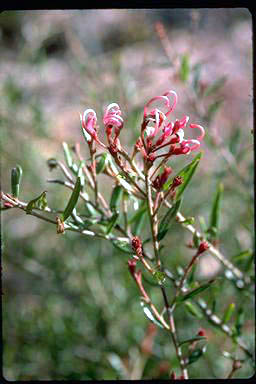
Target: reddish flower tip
[(204, 245), (137, 245), (132, 266), (201, 332)]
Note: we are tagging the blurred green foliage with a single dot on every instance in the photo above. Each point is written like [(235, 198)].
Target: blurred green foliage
[(70, 308)]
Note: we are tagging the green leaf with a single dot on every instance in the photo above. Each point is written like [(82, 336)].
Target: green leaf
[(72, 201), (167, 220), (214, 87), (228, 313), (190, 279), (79, 172), (196, 239), (149, 315), (185, 68), (101, 164), (39, 202), (193, 310), (196, 338), (116, 197), (67, 154), (242, 256), (16, 175), (186, 173), (195, 291), (215, 212), (138, 218), (123, 246), (196, 354), (112, 222)]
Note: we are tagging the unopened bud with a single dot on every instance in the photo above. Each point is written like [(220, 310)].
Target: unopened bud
[(137, 245), (201, 332), (60, 225), (203, 247)]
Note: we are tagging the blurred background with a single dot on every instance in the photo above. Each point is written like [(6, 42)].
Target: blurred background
[(70, 307)]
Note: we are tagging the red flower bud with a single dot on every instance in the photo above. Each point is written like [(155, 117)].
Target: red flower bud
[(178, 180), (203, 247), (201, 332), (160, 180), (137, 245)]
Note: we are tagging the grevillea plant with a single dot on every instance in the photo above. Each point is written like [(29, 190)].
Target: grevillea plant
[(144, 185)]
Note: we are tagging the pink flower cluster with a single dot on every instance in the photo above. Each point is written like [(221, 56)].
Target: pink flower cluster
[(112, 120), (157, 131)]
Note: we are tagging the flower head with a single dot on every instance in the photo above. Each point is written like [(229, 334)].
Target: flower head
[(112, 120), (156, 123), (88, 122)]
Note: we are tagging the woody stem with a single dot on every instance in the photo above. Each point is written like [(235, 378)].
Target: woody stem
[(152, 217)]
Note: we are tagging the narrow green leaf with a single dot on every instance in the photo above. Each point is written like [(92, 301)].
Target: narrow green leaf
[(101, 164), (215, 212), (167, 220), (196, 239), (67, 154), (149, 315), (196, 338), (191, 276), (186, 173), (116, 198), (112, 222), (16, 175), (228, 313), (139, 218), (242, 256), (72, 201), (123, 246), (193, 310), (196, 354), (79, 172), (39, 202), (142, 209), (185, 68), (195, 291), (214, 87)]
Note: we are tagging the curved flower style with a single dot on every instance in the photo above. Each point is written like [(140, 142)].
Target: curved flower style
[(112, 119), (172, 134), (157, 116), (88, 122)]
